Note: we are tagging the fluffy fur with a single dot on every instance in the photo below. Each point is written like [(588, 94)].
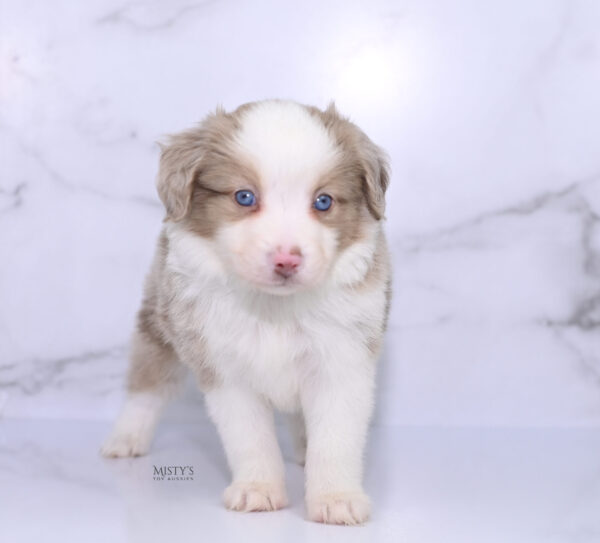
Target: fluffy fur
[(304, 343)]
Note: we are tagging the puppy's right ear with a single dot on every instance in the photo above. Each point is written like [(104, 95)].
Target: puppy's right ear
[(180, 162)]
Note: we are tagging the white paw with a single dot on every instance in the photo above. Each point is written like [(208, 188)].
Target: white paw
[(120, 445), (254, 496), (339, 508)]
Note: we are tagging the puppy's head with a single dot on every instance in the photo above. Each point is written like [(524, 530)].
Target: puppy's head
[(281, 193)]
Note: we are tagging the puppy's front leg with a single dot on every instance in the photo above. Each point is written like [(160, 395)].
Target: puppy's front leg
[(337, 406), (246, 426), (154, 376)]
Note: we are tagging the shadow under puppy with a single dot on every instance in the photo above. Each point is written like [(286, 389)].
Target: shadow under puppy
[(271, 281)]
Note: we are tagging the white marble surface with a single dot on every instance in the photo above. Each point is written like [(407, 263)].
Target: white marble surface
[(427, 486), (490, 112)]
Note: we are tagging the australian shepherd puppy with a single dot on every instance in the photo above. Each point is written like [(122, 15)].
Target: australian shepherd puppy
[(271, 282)]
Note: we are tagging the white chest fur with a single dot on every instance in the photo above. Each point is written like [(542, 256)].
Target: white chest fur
[(247, 344), (271, 343)]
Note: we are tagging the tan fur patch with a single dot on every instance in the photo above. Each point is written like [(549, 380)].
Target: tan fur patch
[(153, 359), (360, 155), (153, 364), (348, 215), (188, 153), (213, 198), (200, 173), (157, 350)]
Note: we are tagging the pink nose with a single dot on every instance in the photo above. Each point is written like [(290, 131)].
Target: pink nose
[(286, 262)]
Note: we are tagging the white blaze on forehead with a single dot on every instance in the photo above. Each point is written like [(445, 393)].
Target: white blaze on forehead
[(285, 143)]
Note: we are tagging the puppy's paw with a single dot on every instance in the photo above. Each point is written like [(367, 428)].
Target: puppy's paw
[(348, 508), (253, 496), (121, 445)]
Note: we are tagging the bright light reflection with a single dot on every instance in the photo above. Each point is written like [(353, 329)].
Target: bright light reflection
[(370, 77)]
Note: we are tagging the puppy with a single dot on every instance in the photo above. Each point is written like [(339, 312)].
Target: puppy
[(271, 281)]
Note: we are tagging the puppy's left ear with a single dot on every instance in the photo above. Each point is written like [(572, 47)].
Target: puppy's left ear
[(376, 176), (180, 162)]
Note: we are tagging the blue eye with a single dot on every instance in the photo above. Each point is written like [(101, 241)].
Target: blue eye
[(323, 202), (245, 198)]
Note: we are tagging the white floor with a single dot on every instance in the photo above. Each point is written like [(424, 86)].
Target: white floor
[(427, 485)]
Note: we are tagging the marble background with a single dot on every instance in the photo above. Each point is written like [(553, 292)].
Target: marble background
[(490, 112)]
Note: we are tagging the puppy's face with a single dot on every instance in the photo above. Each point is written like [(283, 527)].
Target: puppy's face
[(279, 190)]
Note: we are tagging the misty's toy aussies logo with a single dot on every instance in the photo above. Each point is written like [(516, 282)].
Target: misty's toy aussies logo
[(173, 473)]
